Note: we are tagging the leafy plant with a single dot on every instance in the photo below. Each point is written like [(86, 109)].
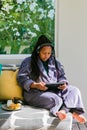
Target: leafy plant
[(23, 21)]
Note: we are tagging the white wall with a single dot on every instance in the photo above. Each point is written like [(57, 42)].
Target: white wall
[(72, 42)]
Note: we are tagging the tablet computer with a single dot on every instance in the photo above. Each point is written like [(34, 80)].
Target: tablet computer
[(54, 85)]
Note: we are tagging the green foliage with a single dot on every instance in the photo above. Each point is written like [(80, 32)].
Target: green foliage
[(23, 21)]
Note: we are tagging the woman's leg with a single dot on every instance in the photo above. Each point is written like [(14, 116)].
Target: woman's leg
[(47, 100), (73, 101)]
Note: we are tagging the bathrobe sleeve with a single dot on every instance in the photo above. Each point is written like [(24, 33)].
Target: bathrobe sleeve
[(23, 76)]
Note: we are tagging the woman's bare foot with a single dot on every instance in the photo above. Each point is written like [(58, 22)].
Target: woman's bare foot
[(80, 118), (61, 114)]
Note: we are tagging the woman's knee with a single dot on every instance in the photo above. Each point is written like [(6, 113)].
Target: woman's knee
[(76, 90), (51, 100)]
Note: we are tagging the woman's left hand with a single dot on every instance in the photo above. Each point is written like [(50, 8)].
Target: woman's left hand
[(63, 86)]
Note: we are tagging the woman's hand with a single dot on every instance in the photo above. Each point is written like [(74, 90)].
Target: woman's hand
[(40, 86), (63, 86)]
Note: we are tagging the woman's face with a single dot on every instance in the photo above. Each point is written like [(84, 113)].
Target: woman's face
[(45, 53)]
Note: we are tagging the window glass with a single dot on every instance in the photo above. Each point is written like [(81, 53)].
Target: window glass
[(22, 22)]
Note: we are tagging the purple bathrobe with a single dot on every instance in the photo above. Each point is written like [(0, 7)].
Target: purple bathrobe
[(50, 100)]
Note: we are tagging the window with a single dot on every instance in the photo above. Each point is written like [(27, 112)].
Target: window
[(21, 23)]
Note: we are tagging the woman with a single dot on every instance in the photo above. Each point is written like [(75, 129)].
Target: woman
[(41, 68)]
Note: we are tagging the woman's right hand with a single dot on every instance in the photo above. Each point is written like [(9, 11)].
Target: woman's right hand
[(40, 86)]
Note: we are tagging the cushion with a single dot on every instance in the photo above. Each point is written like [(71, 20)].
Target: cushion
[(9, 87)]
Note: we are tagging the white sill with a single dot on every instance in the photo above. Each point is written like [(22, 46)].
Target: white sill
[(12, 59)]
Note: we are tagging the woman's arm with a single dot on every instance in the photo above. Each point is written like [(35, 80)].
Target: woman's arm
[(24, 80), (23, 76)]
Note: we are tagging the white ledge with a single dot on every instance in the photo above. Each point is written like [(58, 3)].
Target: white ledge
[(12, 59)]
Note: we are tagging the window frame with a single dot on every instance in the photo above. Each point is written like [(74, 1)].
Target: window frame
[(17, 58)]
